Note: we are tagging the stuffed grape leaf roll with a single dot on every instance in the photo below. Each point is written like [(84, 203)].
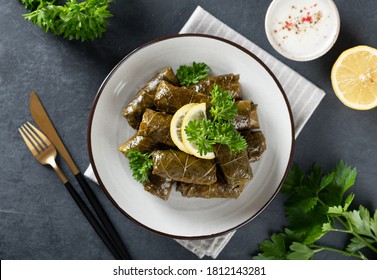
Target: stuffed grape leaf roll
[(144, 144), (170, 98), (247, 117), (235, 167), (256, 143), (156, 125), (159, 186), (156, 185), (228, 82), (144, 99), (219, 189), (183, 167)]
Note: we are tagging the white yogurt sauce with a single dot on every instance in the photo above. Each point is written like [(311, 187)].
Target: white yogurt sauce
[(302, 29)]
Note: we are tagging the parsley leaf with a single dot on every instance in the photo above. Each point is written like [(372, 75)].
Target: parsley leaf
[(140, 165), (278, 247), (294, 178), (273, 249), (316, 205), (219, 129), (198, 133), (31, 5), (190, 75), (344, 178), (355, 245), (361, 223), (300, 252), (74, 20), (223, 109)]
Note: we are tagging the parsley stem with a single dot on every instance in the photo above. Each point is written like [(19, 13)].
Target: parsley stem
[(369, 245), (350, 230), (318, 248)]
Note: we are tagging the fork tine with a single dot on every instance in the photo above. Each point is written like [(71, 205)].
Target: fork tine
[(42, 140), (28, 143), (40, 134), (31, 136)]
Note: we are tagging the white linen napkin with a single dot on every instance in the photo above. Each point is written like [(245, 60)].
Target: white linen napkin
[(303, 97)]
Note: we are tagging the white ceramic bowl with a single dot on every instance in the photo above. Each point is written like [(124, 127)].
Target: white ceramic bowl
[(181, 217), (302, 30)]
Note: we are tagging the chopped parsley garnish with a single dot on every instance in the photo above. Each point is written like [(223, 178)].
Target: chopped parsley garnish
[(140, 165), (220, 128), (190, 75)]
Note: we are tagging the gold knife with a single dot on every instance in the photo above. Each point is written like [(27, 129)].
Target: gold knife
[(41, 117), (44, 122)]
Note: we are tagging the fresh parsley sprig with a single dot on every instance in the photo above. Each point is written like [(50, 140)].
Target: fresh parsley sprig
[(317, 204), (219, 129), (140, 165), (193, 74), (75, 20), (31, 5)]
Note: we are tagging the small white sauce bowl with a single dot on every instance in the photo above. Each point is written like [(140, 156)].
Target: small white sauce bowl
[(302, 30)]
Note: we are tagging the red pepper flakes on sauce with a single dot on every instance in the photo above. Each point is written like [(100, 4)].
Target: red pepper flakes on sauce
[(301, 23)]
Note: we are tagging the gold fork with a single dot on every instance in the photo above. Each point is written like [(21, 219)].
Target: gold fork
[(41, 148), (45, 153)]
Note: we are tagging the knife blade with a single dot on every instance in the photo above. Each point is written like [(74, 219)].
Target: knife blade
[(39, 114), (41, 117)]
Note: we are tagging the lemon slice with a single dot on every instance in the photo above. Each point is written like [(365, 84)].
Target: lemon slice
[(196, 112), (354, 78), (176, 125)]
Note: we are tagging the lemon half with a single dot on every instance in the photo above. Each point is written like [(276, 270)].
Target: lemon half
[(176, 126), (354, 78)]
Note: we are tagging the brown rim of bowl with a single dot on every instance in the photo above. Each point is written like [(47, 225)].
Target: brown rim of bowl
[(100, 90)]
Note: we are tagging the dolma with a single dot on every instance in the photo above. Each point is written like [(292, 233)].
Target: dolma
[(247, 117), (228, 82), (144, 98), (256, 143), (235, 167), (170, 98), (219, 189), (159, 186), (144, 144), (183, 167), (156, 125)]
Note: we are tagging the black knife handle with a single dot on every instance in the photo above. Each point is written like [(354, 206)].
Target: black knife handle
[(102, 216), (93, 221)]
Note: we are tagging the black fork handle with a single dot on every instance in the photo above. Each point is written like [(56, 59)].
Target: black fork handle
[(102, 216), (93, 221)]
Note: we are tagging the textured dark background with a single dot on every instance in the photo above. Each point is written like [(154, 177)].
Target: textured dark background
[(38, 218)]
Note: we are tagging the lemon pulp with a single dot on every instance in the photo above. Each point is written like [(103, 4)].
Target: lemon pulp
[(354, 78), (176, 127), (196, 112)]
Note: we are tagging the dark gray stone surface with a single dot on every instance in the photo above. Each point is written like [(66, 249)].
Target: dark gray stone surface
[(38, 218)]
